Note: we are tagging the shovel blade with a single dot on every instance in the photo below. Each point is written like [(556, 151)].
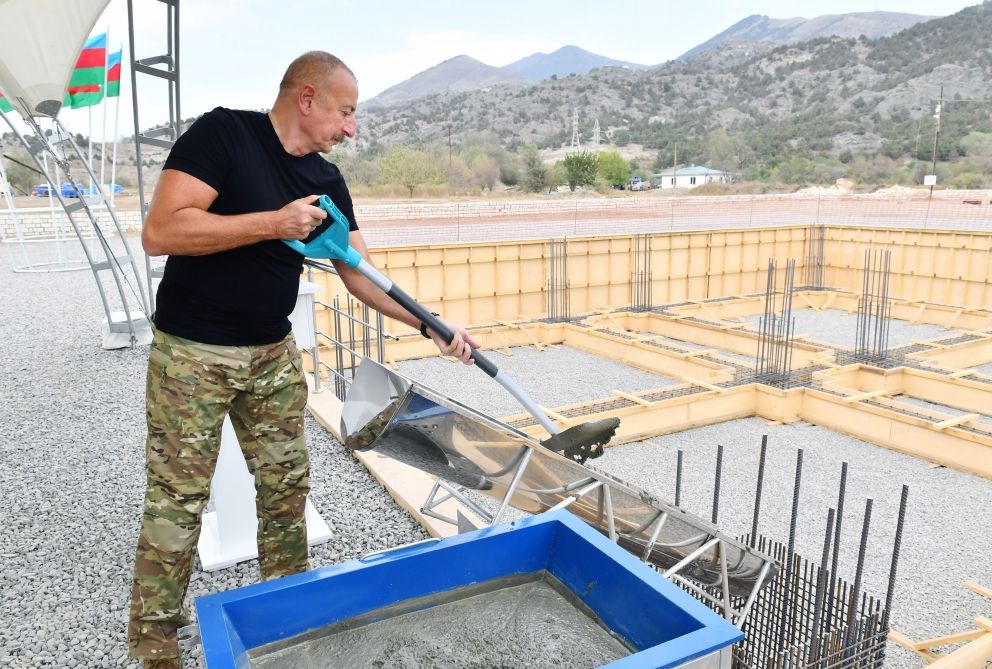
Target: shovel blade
[(581, 442)]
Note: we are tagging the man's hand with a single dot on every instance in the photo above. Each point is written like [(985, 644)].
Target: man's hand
[(297, 219), (461, 345)]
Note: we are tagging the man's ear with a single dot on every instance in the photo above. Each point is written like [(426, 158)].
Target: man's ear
[(306, 98)]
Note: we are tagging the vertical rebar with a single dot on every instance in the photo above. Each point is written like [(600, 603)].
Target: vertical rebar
[(564, 280), (853, 602), (366, 331), (822, 579), (792, 545), (351, 335), (716, 483), (380, 342), (890, 589), (757, 492), (842, 491), (551, 280), (678, 479), (316, 340)]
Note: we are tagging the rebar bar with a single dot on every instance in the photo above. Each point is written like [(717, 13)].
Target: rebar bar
[(874, 308), (760, 484), (776, 329), (716, 484), (890, 590)]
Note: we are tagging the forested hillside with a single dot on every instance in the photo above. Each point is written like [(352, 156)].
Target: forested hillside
[(803, 113)]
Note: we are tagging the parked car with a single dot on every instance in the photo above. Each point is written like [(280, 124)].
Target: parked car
[(108, 188), (68, 190), (637, 183)]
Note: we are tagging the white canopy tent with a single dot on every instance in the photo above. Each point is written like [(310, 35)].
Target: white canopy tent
[(39, 43)]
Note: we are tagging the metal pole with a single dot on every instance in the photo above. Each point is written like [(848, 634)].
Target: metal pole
[(837, 527), (822, 579), (716, 483), (790, 553), (757, 495), (853, 601), (316, 341), (890, 589)]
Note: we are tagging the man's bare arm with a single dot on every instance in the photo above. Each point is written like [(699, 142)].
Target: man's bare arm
[(178, 222)]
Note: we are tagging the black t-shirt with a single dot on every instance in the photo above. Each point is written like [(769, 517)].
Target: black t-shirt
[(243, 296)]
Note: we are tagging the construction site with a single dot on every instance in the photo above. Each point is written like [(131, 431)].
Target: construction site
[(798, 391)]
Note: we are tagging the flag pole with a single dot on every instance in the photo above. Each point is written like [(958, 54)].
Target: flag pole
[(89, 114), (103, 134), (117, 116)]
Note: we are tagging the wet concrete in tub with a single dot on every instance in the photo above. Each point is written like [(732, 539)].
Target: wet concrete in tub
[(528, 621)]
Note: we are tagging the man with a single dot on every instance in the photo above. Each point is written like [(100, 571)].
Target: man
[(233, 186)]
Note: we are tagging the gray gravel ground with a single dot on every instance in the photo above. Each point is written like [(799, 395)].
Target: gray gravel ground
[(72, 481), (837, 327), (983, 369)]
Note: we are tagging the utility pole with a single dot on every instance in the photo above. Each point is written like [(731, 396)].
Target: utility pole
[(675, 162), (936, 135), (575, 129), (449, 148)]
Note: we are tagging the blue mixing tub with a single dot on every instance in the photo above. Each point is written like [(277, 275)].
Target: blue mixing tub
[(663, 625)]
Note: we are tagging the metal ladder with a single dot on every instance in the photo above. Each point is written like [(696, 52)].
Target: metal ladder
[(124, 320), (165, 67)]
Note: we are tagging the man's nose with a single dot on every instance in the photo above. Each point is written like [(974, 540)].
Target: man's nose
[(350, 127)]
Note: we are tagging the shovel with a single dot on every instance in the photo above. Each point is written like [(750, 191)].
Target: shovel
[(577, 443)]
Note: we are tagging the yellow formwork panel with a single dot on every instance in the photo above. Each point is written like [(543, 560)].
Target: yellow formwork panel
[(960, 394), (744, 343), (642, 356), (942, 267), (953, 447), (959, 356), (489, 282)]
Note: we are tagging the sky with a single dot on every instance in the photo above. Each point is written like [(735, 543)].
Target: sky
[(233, 52)]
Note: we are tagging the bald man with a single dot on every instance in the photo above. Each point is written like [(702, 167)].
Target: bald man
[(234, 185)]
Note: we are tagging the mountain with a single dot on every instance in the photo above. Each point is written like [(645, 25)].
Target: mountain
[(826, 96), (461, 73), (762, 29), (563, 62)]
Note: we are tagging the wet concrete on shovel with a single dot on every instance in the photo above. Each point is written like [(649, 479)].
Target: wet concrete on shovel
[(523, 621)]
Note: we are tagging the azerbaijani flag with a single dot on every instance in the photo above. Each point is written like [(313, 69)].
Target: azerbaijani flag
[(114, 74), (86, 84), (5, 105)]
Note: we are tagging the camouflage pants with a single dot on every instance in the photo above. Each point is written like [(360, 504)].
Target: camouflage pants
[(191, 387)]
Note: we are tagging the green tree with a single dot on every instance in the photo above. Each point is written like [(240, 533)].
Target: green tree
[(409, 168), (723, 150), (612, 167), (535, 172), (556, 176), (486, 171), (580, 168), (356, 168)]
